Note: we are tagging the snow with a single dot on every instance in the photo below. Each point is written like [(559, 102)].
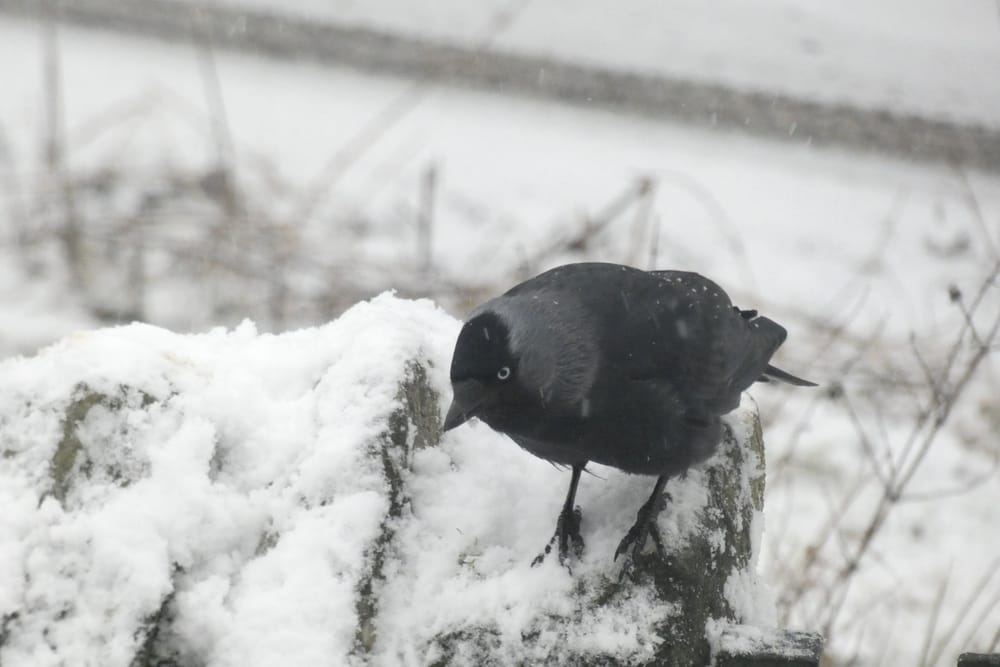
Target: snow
[(752, 215), (214, 445), (227, 477), (803, 235), (936, 58), (748, 640)]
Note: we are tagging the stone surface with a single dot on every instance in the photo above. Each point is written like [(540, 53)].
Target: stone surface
[(979, 660), (747, 646), (414, 424)]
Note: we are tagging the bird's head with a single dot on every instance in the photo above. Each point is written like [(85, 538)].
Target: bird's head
[(484, 368), (518, 356)]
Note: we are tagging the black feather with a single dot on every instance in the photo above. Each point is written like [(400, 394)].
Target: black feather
[(611, 364)]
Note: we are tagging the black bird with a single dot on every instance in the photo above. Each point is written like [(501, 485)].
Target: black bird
[(612, 364)]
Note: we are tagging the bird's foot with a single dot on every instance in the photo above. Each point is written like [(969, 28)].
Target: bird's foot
[(567, 537), (642, 531)]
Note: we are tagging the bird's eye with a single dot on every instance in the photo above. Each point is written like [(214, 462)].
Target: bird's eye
[(503, 373)]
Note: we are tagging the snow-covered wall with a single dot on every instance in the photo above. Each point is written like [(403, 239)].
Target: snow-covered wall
[(242, 499)]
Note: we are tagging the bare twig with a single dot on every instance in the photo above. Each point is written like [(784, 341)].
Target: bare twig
[(225, 148), (964, 611), (643, 223), (12, 193), (580, 239), (425, 217), (394, 112), (835, 391), (728, 229), (923, 435), (866, 444), (977, 211), (970, 325), (55, 159), (886, 641), (988, 611), (958, 490), (829, 529), (945, 409), (995, 642), (654, 243), (222, 185), (974, 306), (933, 620), (928, 373)]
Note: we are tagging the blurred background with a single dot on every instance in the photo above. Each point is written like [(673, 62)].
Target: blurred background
[(835, 165)]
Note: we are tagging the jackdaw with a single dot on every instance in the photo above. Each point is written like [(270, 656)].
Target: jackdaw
[(612, 364)]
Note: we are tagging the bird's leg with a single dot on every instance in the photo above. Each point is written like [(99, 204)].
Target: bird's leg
[(645, 522), (567, 527)]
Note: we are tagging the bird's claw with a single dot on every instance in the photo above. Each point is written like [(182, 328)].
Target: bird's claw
[(637, 535), (567, 536), (642, 530)]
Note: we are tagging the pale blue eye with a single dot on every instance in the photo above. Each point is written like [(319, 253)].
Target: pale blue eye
[(504, 373)]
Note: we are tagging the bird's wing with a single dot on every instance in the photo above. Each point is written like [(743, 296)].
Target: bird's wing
[(673, 327), (682, 329)]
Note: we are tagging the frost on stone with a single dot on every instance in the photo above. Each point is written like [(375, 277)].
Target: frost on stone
[(415, 424), (235, 498), (96, 439), (745, 646)]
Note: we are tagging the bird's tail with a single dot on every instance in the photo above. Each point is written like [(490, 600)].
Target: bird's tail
[(771, 373)]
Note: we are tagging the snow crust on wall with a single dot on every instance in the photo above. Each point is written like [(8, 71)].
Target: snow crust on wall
[(216, 496)]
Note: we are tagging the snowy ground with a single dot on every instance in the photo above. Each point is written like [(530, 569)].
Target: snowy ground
[(936, 58), (805, 235)]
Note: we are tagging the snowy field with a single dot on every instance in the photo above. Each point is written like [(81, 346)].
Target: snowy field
[(854, 254), (936, 58)]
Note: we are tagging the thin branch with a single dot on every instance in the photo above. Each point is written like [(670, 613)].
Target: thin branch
[(960, 302), (728, 229), (988, 612), (945, 411), (55, 149), (995, 642), (973, 307), (944, 406), (654, 243), (887, 641), (632, 195), (827, 530), (965, 610), (223, 186), (425, 217), (932, 621), (643, 229), (951, 492), (908, 466), (390, 115), (928, 373), (866, 445), (977, 211)]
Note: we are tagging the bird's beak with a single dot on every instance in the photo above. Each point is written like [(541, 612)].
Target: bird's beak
[(468, 394)]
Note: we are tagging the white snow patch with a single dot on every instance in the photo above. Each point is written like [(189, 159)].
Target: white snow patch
[(742, 640), (226, 480), (226, 469)]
